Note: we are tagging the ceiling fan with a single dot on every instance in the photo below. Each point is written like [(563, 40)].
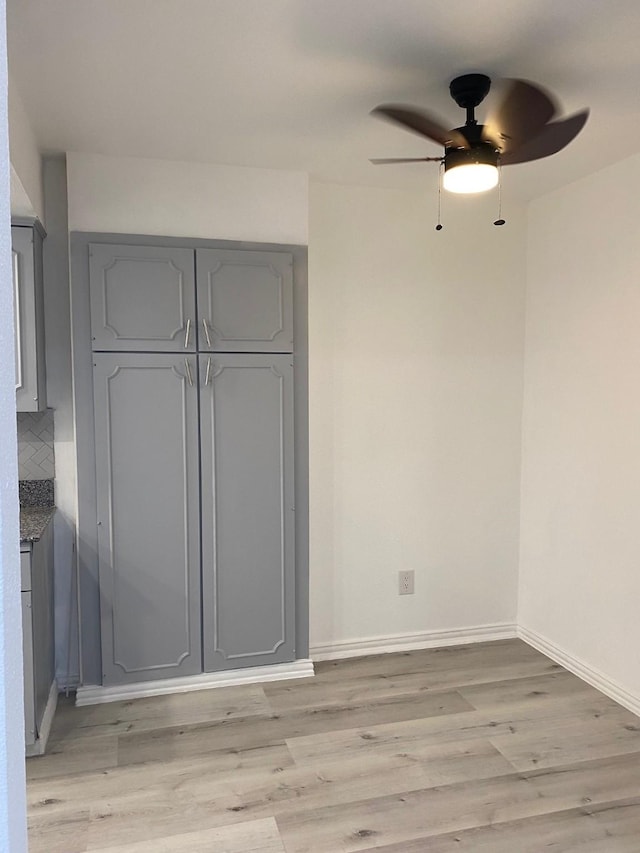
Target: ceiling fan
[(519, 130)]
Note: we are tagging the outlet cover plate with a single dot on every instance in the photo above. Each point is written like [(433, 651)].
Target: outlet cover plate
[(406, 582)]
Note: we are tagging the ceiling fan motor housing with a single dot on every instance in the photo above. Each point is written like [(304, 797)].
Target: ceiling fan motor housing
[(470, 170), (480, 153)]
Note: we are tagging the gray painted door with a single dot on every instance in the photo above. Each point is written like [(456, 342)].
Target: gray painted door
[(142, 298), (146, 420), (30, 732), (31, 390), (245, 300), (246, 406)]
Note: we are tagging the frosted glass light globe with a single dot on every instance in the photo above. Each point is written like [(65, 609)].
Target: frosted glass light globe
[(470, 178)]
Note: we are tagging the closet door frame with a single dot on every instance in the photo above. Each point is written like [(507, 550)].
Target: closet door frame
[(82, 365)]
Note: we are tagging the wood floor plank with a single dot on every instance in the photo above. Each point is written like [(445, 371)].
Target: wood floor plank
[(158, 712), (374, 678), (595, 781), (483, 658), (536, 690), (605, 828), (259, 836), (66, 833), (81, 791), (67, 756), (581, 739), (399, 819), (133, 815), (254, 731), (409, 735)]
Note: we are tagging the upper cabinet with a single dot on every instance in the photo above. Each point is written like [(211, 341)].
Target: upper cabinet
[(31, 395), (245, 300), (143, 298)]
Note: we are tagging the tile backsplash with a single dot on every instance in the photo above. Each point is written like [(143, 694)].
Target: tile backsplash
[(35, 445)]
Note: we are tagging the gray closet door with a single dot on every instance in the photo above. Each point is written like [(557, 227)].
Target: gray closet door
[(28, 291), (146, 420), (142, 298), (246, 404), (245, 300)]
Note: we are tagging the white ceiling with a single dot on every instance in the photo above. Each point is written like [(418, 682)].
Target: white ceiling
[(288, 84)]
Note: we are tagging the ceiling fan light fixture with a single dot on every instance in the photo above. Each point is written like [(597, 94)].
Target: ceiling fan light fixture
[(470, 170)]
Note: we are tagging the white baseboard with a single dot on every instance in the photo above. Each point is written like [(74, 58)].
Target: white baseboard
[(38, 748), (410, 642), (94, 694), (583, 670)]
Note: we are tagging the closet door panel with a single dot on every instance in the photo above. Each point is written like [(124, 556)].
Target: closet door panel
[(245, 300), (146, 416), (142, 298), (247, 510)]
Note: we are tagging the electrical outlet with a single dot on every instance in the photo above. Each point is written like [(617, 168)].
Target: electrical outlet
[(406, 582)]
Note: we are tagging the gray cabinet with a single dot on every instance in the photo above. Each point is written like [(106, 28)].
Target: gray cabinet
[(142, 298), (40, 692), (146, 425), (194, 458), (29, 317), (247, 509), (245, 300)]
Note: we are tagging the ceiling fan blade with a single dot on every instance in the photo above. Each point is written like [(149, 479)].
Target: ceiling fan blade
[(381, 161), (421, 123), (552, 139), (522, 114)]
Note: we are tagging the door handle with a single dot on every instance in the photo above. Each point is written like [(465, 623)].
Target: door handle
[(188, 369), (187, 333), (206, 332), (207, 375)]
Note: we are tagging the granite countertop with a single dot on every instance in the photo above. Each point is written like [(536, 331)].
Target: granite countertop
[(36, 508), (33, 521)]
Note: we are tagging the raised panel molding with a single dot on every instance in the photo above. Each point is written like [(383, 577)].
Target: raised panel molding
[(245, 300), (120, 663), (218, 647), (217, 313), (248, 517), (179, 321), (142, 298)]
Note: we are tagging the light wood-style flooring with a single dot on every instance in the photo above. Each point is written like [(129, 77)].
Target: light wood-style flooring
[(489, 748)]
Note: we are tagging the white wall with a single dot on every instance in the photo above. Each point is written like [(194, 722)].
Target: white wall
[(175, 199), (25, 159), (13, 825), (416, 358), (580, 537), (21, 204)]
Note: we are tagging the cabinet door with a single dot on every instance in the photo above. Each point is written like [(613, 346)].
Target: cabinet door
[(30, 732), (246, 406), (142, 298), (146, 428), (245, 300), (28, 302), (42, 610)]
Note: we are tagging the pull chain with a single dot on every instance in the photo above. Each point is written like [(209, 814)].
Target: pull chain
[(499, 220)]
